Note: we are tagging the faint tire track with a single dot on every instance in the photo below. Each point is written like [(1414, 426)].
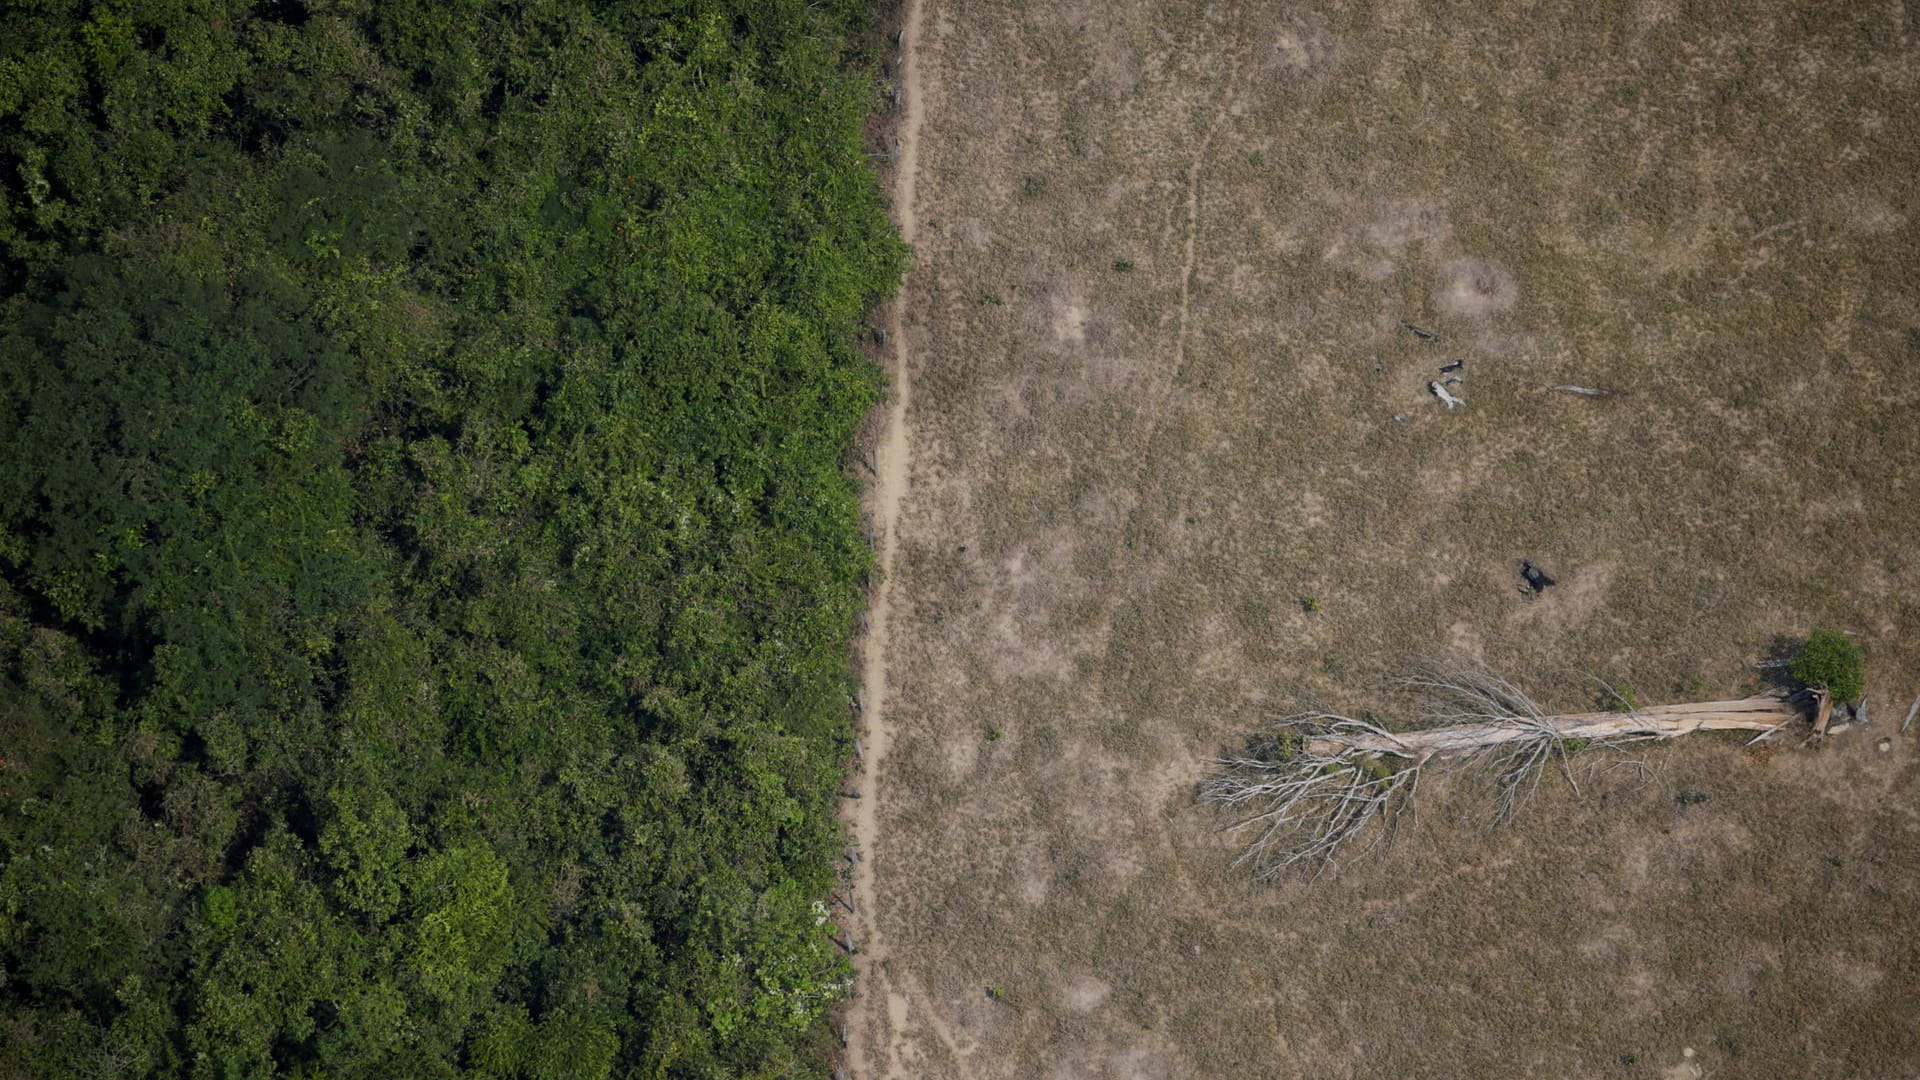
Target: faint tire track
[(1189, 262)]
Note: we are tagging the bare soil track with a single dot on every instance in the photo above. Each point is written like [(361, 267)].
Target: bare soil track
[(885, 495), (1173, 461)]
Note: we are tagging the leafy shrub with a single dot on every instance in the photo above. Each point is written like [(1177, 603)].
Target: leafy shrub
[(1830, 660)]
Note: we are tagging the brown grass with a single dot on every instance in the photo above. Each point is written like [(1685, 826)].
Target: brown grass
[(1131, 467)]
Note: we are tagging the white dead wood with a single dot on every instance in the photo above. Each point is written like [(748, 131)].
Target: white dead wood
[(1589, 391), (1912, 711), (1441, 393), (1319, 785), (1824, 713)]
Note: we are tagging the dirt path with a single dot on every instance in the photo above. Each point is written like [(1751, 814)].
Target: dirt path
[(887, 493)]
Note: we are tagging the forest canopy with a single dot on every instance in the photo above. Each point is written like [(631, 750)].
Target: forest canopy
[(426, 554)]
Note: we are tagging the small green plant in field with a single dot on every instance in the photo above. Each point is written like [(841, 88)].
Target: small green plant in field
[(1310, 604), (1622, 698), (1285, 745), (994, 993), (993, 734), (1379, 768), (1574, 746), (1831, 661), (991, 299), (1123, 266)]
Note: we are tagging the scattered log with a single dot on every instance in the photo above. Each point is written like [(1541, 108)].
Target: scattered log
[(1912, 711), (1825, 715), (1440, 392), (1591, 391)]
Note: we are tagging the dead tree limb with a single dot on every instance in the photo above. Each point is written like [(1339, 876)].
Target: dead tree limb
[(1313, 785), (1824, 715)]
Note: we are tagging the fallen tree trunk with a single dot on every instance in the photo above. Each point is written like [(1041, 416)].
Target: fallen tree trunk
[(1764, 712), (1310, 785)]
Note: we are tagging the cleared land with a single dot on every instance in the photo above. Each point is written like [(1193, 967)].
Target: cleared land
[(1174, 461)]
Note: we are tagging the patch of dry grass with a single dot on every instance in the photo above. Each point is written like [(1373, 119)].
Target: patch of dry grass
[(1113, 524)]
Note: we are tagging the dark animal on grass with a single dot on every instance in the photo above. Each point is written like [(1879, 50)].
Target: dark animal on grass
[(1536, 578)]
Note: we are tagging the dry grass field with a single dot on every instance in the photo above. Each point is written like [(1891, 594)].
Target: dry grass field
[(1175, 465)]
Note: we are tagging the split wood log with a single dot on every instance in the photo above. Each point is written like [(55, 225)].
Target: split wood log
[(1825, 714)]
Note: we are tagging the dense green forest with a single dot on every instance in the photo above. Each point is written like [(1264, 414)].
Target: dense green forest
[(426, 552)]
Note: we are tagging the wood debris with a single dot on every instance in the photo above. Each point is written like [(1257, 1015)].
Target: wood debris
[(1313, 783)]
